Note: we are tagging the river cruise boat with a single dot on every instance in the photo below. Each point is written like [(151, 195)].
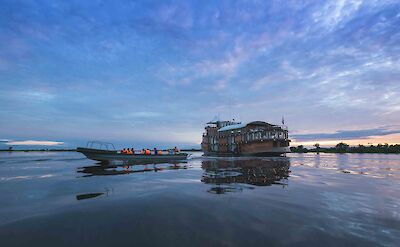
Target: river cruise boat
[(255, 138)]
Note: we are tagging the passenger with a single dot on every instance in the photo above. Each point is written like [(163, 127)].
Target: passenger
[(159, 152), (155, 151), (142, 151), (148, 152), (176, 150), (132, 151), (123, 151)]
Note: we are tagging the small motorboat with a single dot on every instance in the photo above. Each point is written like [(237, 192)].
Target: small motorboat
[(107, 152)]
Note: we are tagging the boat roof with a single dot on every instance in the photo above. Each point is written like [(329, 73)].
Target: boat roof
[(233, 126), (241, 125)]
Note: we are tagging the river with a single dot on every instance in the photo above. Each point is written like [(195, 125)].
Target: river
[(64, 199)]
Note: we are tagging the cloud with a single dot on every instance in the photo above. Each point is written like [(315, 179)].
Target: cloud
[(139, 114), (32, 142), (220, 71), (335, 12), (347, 134)]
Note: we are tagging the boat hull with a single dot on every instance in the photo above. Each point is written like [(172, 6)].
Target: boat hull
[(279, 151), (105, 155)]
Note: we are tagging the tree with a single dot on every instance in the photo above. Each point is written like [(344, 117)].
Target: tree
[(317, 147), (342, 147), (301, 149)]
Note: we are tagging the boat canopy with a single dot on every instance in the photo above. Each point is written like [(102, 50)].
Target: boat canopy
[(242, 125), (233, 127), (100, 145)]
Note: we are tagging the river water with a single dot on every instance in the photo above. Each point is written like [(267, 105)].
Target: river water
[(64, 199)]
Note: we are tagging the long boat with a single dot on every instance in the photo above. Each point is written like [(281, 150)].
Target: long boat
[(107, 152)]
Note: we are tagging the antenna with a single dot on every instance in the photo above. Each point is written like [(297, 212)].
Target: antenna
[(230, 107)]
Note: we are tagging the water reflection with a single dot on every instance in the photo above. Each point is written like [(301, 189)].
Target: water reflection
[(106, 192), (105, 169), (88, 196), (228, 174)]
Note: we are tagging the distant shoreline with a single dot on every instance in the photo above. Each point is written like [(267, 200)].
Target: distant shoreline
[(345, 148), (39, 150), (72, 150), (199, 150), (340, 148), (337, 152)]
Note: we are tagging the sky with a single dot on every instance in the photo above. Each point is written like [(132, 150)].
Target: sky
[(154, 72)]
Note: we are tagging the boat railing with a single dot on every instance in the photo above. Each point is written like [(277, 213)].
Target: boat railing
[(101, 145), (267, 135)]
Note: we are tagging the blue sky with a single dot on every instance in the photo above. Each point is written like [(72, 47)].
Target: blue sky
[(152, 73)]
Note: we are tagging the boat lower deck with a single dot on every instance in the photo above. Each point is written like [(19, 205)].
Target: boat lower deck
[(279, 151)]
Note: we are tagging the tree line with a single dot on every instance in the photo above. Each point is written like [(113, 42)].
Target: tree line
[(345, 148)]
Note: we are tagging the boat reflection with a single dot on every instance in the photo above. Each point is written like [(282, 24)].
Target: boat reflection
[(88, 195), (230, 175), (106, 192), (105, 168)]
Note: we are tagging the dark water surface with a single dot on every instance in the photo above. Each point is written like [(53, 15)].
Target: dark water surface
[(63, 199)]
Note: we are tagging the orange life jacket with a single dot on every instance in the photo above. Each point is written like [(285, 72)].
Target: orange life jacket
[(148, 152)]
